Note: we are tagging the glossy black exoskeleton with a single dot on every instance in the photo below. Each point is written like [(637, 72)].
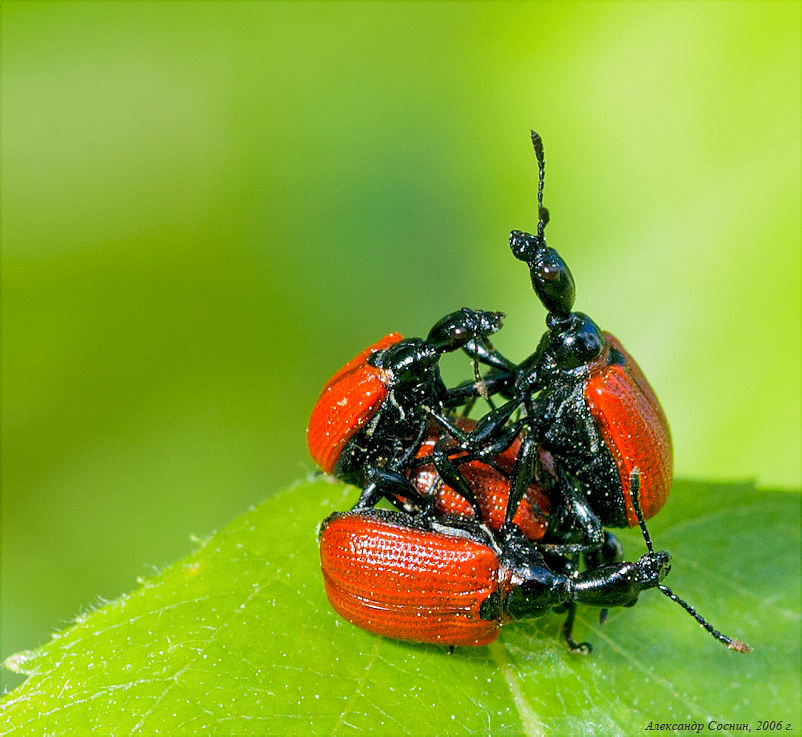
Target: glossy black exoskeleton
[(375, 413), (589, 414), (545, 582)]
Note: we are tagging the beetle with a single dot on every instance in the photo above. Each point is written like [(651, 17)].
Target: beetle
[(375, 412), (449, 580), (590, 414)]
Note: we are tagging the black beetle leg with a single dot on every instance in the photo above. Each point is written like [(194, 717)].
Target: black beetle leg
[(522, 474), (412, 450), (467, 392), (456, 432), (452, 476), (393, 486), (581, 648), (369, 497), (480, 350), (573, 515), (611, 551)]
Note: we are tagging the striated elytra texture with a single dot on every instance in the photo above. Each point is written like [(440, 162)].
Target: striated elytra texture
[(389, 577)]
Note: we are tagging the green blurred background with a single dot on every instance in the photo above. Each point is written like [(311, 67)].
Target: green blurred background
[(207, 208)]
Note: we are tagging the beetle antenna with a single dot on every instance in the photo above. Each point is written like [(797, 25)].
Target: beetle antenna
[(542, 212), (634, 492), (478, 380), (730, 642)]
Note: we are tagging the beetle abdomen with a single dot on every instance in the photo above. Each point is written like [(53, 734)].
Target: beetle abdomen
[(347, 403), (634, 428), (387, 575)]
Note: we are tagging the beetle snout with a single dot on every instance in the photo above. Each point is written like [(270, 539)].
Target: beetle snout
[(660, 563), (665, 563), (524, 246), (487, 323), (654, 567)]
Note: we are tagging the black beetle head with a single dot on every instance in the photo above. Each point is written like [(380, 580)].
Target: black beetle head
[(551, 277), (574, 341)]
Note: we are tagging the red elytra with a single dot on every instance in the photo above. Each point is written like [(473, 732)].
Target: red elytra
[(634, 428), (389, 577), (491, 488), (347, 403)]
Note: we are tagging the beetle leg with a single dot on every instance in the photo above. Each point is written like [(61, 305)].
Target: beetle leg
[(456, 432), (489, 437), (452, 476), (468, 406), (594, 554), (582, 648), (369, 497), (611, 551), (565, 548), (412, 450), (491, 433), (393, 486), (486, 354), (467, 391), (574, 514), (522, 474)]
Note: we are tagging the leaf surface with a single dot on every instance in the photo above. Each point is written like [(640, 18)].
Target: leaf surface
[(239, 638)]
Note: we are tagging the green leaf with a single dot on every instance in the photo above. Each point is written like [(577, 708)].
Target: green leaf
[(239, 638)]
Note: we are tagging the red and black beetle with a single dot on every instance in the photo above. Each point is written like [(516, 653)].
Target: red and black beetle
[(590, 414), (375, 412), (589, 448), (448, 581)]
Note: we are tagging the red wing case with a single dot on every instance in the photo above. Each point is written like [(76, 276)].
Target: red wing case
[(634, 428), (347, 403), (407, 583)]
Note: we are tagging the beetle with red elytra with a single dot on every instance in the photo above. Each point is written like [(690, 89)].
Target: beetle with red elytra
[(450, 581), (375, 413), (590, 415)]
